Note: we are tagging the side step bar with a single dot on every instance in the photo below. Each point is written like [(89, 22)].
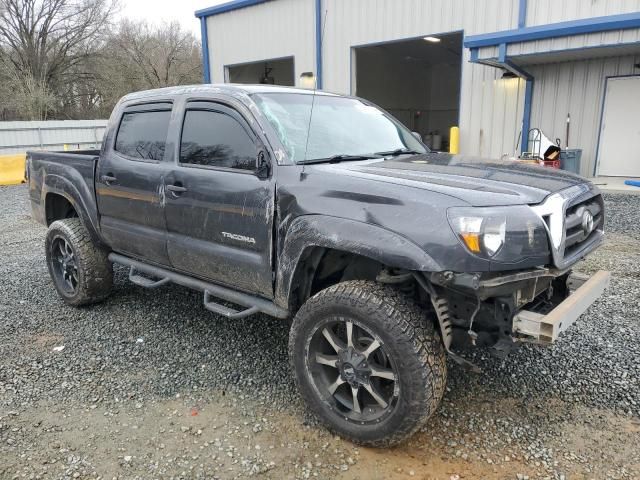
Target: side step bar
[(251, 303)]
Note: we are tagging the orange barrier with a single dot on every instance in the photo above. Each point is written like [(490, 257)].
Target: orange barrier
[(12, 169)]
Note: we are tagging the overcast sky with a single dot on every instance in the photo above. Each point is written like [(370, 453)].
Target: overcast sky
[(166, 10)]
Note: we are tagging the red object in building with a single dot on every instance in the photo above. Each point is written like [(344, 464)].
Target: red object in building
[(552, 163)]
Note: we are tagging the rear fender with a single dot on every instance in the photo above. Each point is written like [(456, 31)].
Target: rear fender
[(81, 199)]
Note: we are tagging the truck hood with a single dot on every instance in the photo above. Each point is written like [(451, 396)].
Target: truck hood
[(476, 181)]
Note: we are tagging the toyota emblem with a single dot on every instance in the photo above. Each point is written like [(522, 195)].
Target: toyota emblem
[(587, 222)]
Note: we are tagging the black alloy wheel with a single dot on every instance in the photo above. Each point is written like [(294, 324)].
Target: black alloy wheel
[(349, 367), (64, 265), (368, 361)]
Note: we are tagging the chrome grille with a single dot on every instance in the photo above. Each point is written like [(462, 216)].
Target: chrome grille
[(575, 231)]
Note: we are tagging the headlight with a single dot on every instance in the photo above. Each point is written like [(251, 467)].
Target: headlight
[(503, 234)]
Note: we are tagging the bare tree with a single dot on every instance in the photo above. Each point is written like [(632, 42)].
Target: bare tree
[(158, 56), (43, 43), (61, 59), (140, 56)]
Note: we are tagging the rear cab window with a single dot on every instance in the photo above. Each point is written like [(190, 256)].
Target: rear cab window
[(142, 133)]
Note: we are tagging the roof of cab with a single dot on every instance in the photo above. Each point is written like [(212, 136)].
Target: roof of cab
[(228, 88)]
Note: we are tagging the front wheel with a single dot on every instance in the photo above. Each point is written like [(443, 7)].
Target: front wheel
[(368, 362)]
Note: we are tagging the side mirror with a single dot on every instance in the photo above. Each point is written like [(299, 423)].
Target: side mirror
[(263, 168), (417, 135)]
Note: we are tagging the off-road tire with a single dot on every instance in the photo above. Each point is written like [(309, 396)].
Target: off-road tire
[(409, 337), (94, 271)]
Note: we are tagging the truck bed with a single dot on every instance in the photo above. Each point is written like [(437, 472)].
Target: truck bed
[(69, 173)]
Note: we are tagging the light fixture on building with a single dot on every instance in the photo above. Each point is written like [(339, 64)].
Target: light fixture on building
[(308, 80), (432, 39), (508, 74)]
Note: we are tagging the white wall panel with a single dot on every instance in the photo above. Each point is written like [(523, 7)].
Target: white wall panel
[(276, 29), (491, 108), (359, 22), (575, 88), (590, 40), (540, 12)]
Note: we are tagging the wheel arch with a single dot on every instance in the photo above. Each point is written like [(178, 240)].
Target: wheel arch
[(62, 199), (57, 207), (312, 239)]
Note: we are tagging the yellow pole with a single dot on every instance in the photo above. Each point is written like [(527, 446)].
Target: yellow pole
[(454, 140)]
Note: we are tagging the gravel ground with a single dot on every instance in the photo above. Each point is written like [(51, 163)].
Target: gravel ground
[(150, 385)]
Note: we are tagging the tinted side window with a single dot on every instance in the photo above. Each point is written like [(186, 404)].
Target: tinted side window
[(143, 134), (216, 139)]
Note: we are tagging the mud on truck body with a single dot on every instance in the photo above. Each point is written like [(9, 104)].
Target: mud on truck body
[(325, 211)]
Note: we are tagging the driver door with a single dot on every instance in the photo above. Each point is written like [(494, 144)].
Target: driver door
[(219, 211)]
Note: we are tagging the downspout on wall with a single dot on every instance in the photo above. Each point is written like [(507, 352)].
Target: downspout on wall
[(206, 71), (522, 14), (503, 62), (319, 29), (528, 88)]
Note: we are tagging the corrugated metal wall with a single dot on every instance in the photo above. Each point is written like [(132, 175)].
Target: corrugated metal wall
[(575, 42), (18, 137), (540, 12), (491, 108), (490, 114), (277, 29), (576, 88)]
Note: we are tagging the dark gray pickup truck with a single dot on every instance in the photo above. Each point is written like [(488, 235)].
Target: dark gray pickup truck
[(324, 209)]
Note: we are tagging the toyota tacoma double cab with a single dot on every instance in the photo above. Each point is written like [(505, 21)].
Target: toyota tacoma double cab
[(325, 211)]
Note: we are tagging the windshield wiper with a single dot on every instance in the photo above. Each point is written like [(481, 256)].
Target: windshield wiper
[(398, 151), (339, 158)]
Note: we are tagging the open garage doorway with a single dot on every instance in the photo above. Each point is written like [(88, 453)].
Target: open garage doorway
[(279, 71), (417, 81)]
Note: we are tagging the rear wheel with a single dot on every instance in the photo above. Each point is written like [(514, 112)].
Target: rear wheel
[(367, 362), (80, 270)]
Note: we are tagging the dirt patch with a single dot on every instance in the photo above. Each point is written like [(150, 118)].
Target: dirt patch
[(229, 436)]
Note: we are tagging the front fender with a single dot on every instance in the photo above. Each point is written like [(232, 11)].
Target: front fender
[(368, 240)]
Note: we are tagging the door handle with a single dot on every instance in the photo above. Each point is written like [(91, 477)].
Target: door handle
[(107, 179), (176, 189)]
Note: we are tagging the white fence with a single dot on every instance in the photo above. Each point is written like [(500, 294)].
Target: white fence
[(18, 137)]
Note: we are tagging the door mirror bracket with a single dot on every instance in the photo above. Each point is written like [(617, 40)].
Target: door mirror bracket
[(263, 168)]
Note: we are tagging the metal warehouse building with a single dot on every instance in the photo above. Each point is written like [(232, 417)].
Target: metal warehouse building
[(494, 68)]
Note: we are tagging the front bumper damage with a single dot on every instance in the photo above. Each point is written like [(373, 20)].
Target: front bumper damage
[(503, 310), (530, 326)]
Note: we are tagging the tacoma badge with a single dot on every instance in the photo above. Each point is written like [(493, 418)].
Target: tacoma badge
[(240, 238)]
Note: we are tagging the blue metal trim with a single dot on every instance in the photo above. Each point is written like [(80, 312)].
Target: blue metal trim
[(206, 70), (526, 115), (319, 44), (554, 30), (227, 7), (502, 52), (492, 60), (504, 62), (522, 14), (517, 69)]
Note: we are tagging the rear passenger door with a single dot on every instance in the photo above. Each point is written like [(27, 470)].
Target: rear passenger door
[(219, 210), (129, 183)]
